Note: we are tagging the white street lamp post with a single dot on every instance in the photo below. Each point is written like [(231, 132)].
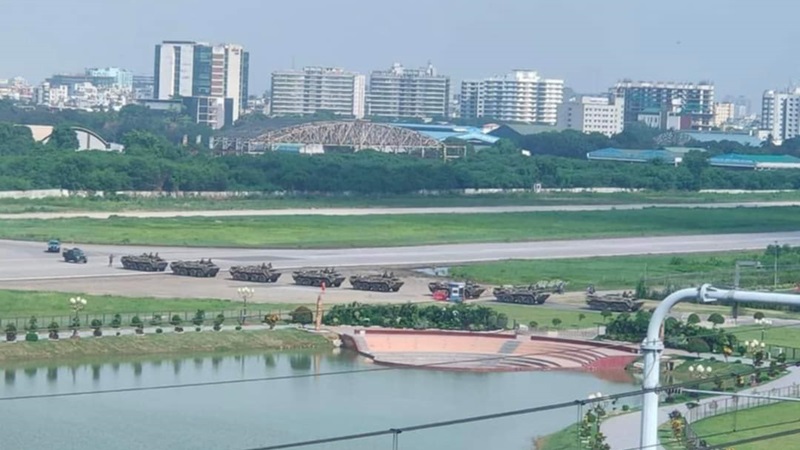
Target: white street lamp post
[(77, 304), (246, 293)]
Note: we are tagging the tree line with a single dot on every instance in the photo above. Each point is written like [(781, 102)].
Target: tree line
[(153, 163)]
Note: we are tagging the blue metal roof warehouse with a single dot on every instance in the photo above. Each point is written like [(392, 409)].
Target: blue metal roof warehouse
[(443, 132), (756, 162), (625, 155)]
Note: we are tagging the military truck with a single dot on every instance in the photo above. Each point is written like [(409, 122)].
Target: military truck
[(146, 262), (53, 246), (197, 269), (74, 255), (385, 282), (261, 274), (523, 295), (471, 290), (613, 302), (328, 275)]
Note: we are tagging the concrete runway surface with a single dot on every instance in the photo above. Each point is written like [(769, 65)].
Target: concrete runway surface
[(388, 211), (27, 261)]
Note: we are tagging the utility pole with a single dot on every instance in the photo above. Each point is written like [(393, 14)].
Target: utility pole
[(775, 270)]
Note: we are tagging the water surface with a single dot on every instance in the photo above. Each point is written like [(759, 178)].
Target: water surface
[(253, 415)]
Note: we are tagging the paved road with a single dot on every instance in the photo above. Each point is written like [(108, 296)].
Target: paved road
[(24, 260), (387, 211), (623, 432)]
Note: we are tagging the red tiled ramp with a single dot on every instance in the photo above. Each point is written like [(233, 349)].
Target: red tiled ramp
[(446, 350)]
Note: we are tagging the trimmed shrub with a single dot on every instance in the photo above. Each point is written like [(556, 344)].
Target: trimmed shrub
[(758, 315), (11, 332), (271, 320), (199, 317), (116, 322), (96, 325), (52, 330), (156, 320), (136, 322), (302, 315), (159, 331)]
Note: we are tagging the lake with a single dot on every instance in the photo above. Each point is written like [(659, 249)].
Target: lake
[(252, 415)]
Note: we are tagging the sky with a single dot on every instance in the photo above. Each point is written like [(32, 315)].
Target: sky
[(744, 47)]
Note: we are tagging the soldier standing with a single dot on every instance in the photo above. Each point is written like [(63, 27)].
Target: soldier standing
[(110, 259)]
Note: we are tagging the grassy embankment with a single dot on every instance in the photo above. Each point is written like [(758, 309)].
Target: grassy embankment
[(393, 230), (618, 272), (342, 201), (42, 304), (767, 427), (189, 342)]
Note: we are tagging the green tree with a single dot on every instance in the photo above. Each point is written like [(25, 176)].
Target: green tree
[(556, 322), (758, 315), (716, 319), (581, 316), (302, 315), (63, 138), (693, 319), (698, 345)]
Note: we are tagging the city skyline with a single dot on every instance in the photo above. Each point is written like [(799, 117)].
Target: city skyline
[(589, 45)]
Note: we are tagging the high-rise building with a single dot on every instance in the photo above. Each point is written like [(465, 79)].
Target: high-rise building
[(123, 78), (408, 93), (316, 89), (215, 75), (590, 114), (693, 102), (780, 114), (723, 113), (521, 96)]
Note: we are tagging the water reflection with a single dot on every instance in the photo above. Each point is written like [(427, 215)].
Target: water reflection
[(252, 415)]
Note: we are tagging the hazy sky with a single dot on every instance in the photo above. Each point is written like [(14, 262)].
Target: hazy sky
[(743, 46)]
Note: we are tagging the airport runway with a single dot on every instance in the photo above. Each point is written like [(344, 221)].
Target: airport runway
[(387, 211), (27, 260)]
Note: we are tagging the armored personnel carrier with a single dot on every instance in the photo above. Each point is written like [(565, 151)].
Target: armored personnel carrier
[(146, 262), (613, 302), (471, 290), (385, 282), (524, 295), (328, 275), (198, 269), (261, 274)]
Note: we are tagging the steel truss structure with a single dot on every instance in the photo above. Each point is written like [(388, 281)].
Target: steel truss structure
[(358, 135)]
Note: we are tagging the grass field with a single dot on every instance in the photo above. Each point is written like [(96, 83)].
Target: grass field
[(779, 336), (23, 304), (396, 230), (544, 316), (566, 439), (189, 342), (754, 424), (341, 201), (614, 272)]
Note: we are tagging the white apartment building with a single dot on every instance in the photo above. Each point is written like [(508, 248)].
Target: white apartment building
[(521, 96), (589, 114), (696, 101), (780, 114), (315, 89), (408, 93), (723, 112), (196, 70)]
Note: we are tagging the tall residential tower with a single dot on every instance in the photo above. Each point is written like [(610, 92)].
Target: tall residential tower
[(212, 79), (408, 93), (521, 96), (316, 89), (690, 101)]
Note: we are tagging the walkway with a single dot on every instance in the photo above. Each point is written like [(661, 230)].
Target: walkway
[(622, 432)]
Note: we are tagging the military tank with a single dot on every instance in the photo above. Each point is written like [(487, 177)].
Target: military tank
[(261, 274), (613, 302), (197, 269), (146, 262), (471, 290), (523, 295), (329, 276), (385, 282)]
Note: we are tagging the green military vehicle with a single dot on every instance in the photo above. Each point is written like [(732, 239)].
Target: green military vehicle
[(74, 255)]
